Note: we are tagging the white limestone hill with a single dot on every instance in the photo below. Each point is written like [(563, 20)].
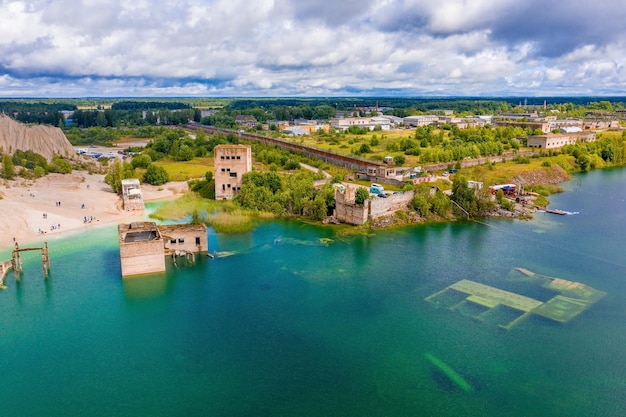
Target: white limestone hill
[(44, 140)]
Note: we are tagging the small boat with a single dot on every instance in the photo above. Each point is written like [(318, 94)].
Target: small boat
[(561, 212)]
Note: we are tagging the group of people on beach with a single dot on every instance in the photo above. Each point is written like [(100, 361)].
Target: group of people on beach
[(52, 228)]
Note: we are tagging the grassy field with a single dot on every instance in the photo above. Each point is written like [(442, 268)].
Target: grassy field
[(186, 170), (347, 144), (223, 216), (503, 172)]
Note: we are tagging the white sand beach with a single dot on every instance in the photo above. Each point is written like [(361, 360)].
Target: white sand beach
[(60, 203)]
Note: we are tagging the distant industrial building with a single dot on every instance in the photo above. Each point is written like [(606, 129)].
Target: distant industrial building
[(417, 121), (553, 141)]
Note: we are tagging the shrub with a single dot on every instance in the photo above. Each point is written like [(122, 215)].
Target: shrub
[(360, 196), (141, 161), (155, 175), (421, 205)]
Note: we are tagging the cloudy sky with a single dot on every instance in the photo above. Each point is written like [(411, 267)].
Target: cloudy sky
[(105, 48)]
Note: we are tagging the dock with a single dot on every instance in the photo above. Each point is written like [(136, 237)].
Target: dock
[(572, 298)]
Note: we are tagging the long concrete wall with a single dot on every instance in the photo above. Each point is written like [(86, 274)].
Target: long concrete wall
[(385, 206)]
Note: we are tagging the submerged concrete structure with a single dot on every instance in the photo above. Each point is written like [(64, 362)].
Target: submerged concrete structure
[(572, 298), (141, 248), (144, 245)]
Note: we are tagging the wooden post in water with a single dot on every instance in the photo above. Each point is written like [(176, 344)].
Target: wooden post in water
[(17, 262), (45, 259)]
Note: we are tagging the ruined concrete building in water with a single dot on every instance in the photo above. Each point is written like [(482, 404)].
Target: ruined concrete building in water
[(144, 245)]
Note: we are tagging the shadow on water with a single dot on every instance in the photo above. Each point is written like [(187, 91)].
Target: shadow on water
[(145, 286), (444, 383)]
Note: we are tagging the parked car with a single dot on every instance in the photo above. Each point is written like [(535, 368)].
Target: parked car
[(340, 187), (376, 188)]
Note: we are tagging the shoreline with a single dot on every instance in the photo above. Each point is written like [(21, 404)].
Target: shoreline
[(54, 205)]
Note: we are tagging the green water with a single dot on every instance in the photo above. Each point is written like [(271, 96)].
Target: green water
[(291, 327)]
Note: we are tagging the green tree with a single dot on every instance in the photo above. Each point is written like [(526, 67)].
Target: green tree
[(155, 175), (360, 196), (101, 119), (185, 153), (399, 160), (441, 204), (464, 196), (8, 169), (254, 196), (421, 204), (499, 196), (608, 152), (298, 192), (60, 165), (114, 176), (141, 161), (205, 188), (317, 208), (583, 161), (39, 171)]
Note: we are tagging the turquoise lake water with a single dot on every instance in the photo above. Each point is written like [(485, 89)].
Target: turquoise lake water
[(290, 327)]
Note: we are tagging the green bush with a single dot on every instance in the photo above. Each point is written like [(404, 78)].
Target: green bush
[(360, 196), (155, 175), (141, 161), (421, 204)]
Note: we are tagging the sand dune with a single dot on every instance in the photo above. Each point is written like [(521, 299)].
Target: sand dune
[(44, 140)]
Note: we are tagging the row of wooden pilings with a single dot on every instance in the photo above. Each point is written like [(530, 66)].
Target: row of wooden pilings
[(16, 262)]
